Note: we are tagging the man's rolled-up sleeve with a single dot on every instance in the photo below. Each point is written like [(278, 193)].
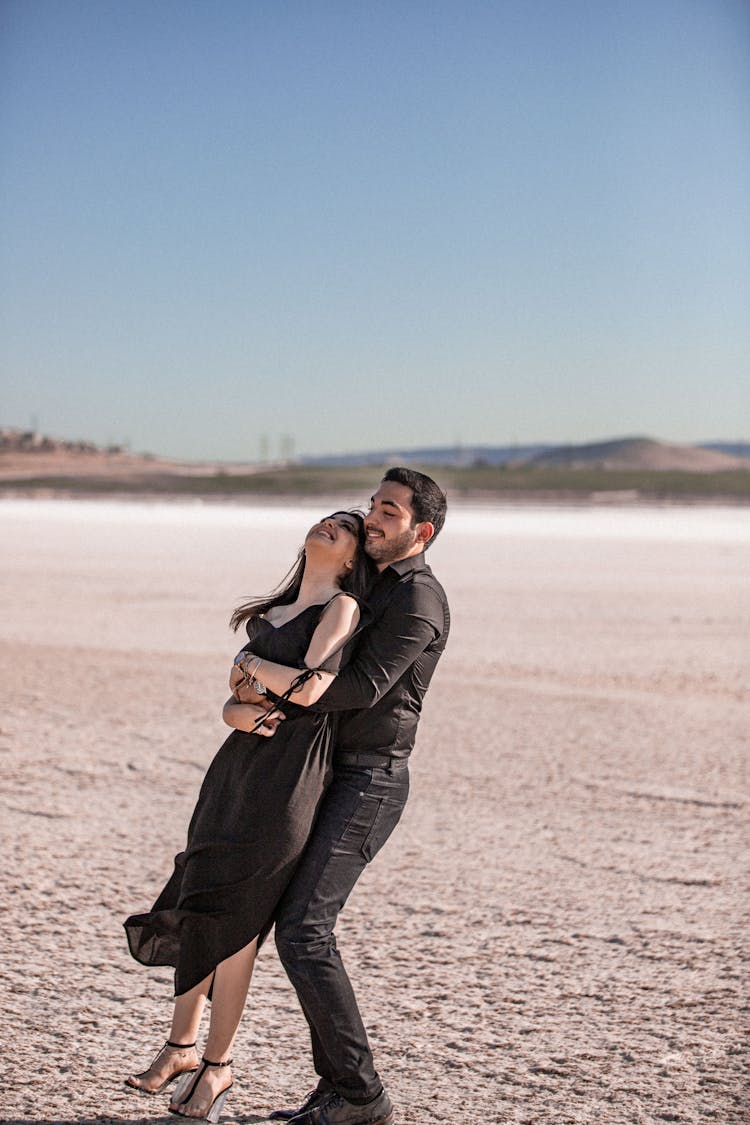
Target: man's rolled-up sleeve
[(411, 621)]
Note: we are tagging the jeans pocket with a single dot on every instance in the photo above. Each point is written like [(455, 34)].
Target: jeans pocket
[(374, 839), (384, 819)]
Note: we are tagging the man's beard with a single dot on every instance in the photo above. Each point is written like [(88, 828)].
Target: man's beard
[(382, 550)]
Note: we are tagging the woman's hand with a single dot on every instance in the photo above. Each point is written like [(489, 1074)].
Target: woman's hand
[(239, 685), (246, 693), (238, 674), (244, 716)]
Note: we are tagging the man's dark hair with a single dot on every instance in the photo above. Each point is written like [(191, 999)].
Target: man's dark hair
[(427, 498)]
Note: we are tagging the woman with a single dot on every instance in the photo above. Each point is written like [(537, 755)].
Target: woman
[(254, 814)]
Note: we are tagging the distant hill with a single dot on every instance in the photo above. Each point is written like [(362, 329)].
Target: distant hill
[(735, 448), (455, 455), (27, 452), (623, 470), (640, 453), (29, 441), (617, 453)]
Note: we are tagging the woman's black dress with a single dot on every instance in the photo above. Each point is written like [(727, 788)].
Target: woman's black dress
[(253, 818)]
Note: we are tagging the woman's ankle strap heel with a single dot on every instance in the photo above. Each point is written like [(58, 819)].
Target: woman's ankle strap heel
[(185, 1088), (140, 1082)]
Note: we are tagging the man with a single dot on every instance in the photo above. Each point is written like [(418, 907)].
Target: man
[(379, 695)]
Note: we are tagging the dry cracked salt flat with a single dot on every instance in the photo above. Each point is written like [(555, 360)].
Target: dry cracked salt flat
[(555, 934)]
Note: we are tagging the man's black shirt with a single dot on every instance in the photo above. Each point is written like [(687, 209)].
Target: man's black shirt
[(380, 692)]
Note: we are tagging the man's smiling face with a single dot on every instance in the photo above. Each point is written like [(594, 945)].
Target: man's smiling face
[(389, 528)]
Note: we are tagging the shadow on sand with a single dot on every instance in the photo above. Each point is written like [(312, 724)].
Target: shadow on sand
[(103, 1119)]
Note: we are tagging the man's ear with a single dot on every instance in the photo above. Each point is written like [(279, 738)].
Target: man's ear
[(425, 532)]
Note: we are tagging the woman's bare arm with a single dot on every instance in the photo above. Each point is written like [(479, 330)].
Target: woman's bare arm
[(337, 624), (244, 716)]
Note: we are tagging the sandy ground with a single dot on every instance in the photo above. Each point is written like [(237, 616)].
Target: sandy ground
[(555, 933)]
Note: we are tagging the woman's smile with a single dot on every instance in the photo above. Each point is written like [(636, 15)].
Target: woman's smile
[(330, 527)]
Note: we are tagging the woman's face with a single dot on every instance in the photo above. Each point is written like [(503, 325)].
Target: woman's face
[(335, 537)]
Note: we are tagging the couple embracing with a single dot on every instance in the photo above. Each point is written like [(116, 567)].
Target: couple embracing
[(326, 697)]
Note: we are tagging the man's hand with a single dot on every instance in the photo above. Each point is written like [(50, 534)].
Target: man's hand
[(244, 716), (268, 728)]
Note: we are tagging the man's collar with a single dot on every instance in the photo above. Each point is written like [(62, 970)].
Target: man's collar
[(404, 566)]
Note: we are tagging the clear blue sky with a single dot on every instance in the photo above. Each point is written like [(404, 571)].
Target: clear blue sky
[(374, 224)]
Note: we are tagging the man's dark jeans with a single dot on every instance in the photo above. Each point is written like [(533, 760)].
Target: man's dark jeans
[(360, 810)]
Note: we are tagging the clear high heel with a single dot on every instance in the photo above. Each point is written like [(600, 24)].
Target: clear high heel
[(185, 1088), (136, 1081)]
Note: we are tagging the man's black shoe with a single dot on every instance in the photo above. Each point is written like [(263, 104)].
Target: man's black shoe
[(335, 1110), (315, 1097)]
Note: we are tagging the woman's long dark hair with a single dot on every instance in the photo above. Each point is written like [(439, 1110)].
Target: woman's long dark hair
[(357, 581)]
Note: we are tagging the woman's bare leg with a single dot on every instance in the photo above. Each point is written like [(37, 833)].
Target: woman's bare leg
[(172, 1060), (231, 984), (188, 1009)]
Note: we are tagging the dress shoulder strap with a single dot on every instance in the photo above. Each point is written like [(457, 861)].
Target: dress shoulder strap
[(364, 610)]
